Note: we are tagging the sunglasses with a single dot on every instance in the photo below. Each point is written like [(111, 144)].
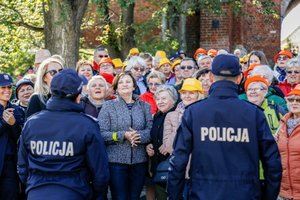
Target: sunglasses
[(154, 84), (139, 69), (53, 71), (291, 71), (186, 67), (102, 56), (282, 58), (291, 100)]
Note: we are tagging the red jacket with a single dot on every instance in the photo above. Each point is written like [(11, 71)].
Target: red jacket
[(285, 87), (149, 98), (289, 147), (96, 66)]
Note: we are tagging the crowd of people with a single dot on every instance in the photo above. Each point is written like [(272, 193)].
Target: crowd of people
[(225, 124)]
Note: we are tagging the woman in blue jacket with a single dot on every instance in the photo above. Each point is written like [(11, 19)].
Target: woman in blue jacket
[(11, 121)]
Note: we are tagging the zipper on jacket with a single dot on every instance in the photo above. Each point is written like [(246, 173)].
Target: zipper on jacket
[(131, 150), (288, 166)]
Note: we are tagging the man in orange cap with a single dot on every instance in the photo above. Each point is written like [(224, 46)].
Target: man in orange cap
[(281, 59)]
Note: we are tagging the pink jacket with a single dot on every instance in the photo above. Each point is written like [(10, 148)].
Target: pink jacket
[(172, 122), (289, 147)]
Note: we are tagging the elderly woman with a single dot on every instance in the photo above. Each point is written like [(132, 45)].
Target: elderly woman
[(136, 65), (154, 80), (281, 60), (96, 90), (203, 76), (292, 76), (45, 73), (166, 97), (125, 124), (190, 92), (165, 68), (273, 93), (256, 88), (24, 90), (288, 140), (204, 61)]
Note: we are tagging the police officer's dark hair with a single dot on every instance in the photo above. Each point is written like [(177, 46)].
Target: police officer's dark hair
[(226, 78), (190, 59), (117, 78)]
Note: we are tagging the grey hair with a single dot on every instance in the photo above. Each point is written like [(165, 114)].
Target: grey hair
[(133, 61), (265, 71), (171, 91), (156, 74), (294, 62), (204, 57), (98, 77)]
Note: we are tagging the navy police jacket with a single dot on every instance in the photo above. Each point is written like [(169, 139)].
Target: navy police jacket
[(63, 146), (226, 138), (9, 135)]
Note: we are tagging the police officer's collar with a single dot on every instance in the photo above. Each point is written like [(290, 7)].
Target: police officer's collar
[(224, 88), (63, 104)]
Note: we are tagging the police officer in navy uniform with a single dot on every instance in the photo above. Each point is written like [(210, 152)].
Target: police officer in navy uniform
[(226, 138), (62, 154), (11, 121)]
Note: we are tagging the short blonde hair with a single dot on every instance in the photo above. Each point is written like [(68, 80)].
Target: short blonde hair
[(156, 74), (80, 63)]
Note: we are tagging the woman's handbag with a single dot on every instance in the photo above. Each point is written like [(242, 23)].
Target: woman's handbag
[(162, 170)]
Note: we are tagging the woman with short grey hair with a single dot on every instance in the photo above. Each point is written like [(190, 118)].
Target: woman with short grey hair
[(204, 61), (137, 65), (292, 76), (265, 71), (166, 97)]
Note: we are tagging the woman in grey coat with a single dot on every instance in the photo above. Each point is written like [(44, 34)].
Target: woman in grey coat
[(125, 125)]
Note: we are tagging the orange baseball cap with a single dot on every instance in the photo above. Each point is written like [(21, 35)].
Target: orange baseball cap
[(283, 52), (212, 52), (250, 68), (106, 60), (200, 51), (295, 91), (255, 79)]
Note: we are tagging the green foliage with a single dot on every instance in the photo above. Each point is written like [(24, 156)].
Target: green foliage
[(20, 34)]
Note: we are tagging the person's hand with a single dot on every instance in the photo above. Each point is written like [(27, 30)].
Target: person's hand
[(163, 150), (133, 137), (150, 150), (8, 116)]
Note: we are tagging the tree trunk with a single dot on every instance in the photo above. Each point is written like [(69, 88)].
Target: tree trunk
[(182, 25), (127, 19), (62, 28)]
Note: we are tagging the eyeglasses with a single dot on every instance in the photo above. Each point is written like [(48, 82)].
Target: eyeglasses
[(282, 58), (186, 67), (255, 89), (291, 71), (139, 69), (291, 100), (53, 71), (102, 56), (153, 84)]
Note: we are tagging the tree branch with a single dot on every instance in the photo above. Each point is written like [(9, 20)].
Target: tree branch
[(21, 22)]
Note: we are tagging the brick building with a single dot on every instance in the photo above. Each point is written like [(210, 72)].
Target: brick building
[(254, 31)]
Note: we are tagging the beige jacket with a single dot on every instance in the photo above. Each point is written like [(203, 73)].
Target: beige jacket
[(172, 122)]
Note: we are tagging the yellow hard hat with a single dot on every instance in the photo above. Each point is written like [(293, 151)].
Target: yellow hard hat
[(161, 54), (164, 61), (117, 63)]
